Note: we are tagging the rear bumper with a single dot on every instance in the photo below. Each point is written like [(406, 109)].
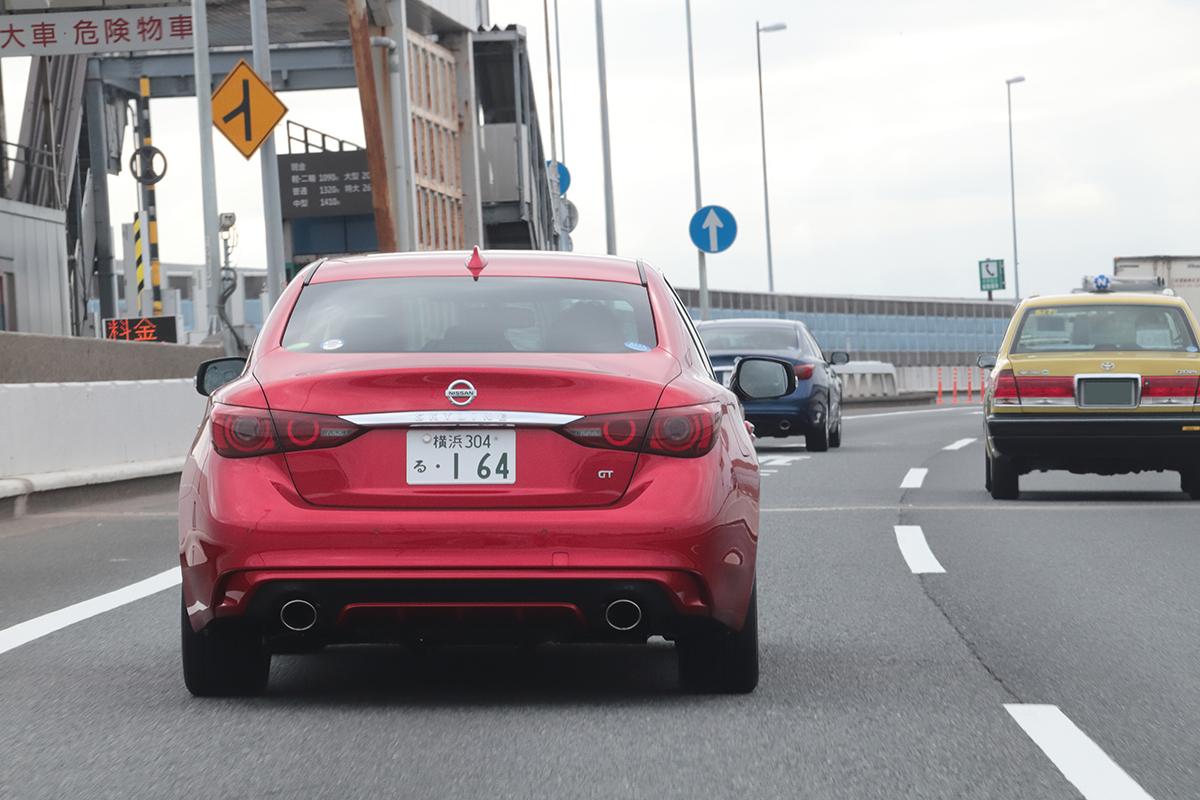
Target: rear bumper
[(1118, 442), (788, 416), (684, 538)]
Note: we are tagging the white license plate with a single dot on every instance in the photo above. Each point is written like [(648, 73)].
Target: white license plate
[(462, 455)]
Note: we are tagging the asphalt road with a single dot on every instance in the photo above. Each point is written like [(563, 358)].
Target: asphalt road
[(1043, 648)]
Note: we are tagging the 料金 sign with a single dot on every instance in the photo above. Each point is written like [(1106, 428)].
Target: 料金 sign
[(325, 184), (991, 275), (142, 329), (713, 229), (245, 109), (120, 30)]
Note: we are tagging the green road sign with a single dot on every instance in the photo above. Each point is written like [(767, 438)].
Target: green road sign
[(991, 275)]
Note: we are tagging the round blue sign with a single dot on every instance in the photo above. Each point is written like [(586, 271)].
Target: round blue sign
[(713, 229), (1102, 283), (564, 175)]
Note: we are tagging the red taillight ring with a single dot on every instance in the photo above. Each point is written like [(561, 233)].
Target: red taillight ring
[(239, 442), (303, 442), (618, 441)]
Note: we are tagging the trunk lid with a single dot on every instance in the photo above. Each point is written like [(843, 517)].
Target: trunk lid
[(1153, 373), (543, 468)]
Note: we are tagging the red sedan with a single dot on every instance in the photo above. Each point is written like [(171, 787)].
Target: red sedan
[(439, 447)]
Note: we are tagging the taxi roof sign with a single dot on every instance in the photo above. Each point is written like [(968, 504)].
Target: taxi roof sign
[(245, 109)]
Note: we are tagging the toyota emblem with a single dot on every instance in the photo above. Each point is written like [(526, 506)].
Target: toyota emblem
[(1107, 365), (461, 392)]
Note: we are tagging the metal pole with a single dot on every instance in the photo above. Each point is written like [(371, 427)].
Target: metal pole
[(705, 308), (762, 124), (208, 177), (562, 125), (550, 82), (149, 201), (272, 212), (1012, 188), (98, 157), (610, 224), (402, 118)]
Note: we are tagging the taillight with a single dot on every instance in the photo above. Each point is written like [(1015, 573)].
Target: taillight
[(686, 432), (610, 431), (1169, 390), (243, 432), (1047, 390), (1005, 391), (803, 371)]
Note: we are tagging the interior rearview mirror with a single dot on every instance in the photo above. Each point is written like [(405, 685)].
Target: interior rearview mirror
[(763, 379), (839, 357), (215, 373), (986, 361)]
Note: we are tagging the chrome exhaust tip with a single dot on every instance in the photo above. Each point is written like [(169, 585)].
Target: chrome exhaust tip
[(298, 615), (623, 615), (785, 425)]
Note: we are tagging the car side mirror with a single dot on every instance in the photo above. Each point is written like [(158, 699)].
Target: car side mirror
[(986, 361), (763, 379), (839, 357), (215, 373)]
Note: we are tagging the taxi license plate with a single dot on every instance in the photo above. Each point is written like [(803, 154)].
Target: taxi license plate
[(1107, 392), (454, 456)]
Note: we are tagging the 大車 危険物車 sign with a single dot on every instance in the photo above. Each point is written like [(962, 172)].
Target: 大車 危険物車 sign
[(117, 30)]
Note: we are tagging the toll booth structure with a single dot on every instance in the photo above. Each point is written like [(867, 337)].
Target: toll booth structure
[(468, 181)]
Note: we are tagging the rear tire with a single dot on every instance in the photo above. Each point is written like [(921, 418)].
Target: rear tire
[(817, 440), (835, 436), (722, 662), (1005, 483), (227, 658), (1189, 481), (987, 472)]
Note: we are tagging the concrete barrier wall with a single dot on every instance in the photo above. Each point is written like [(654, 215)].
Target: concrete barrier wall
[(925, 379), (91, 428), (28, 357)]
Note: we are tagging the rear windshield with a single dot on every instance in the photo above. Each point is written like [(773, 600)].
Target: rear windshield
[(1104, 327), (748, 338), (460, 315)]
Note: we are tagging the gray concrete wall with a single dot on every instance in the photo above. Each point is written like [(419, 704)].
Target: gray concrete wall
[(33, 358), (33, 247)]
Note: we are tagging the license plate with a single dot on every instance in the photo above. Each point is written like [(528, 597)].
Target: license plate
[(1107, 392), (455, 456)]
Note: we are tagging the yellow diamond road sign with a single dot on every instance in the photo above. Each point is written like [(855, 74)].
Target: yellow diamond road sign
[(245, 109)]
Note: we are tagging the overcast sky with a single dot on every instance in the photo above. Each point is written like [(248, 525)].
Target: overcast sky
[(886, 136)]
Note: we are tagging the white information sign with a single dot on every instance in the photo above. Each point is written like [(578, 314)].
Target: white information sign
[(117, 30)]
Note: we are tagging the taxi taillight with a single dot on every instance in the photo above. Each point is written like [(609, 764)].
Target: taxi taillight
[(1169, 389), (1046, 388), (1004, 393)]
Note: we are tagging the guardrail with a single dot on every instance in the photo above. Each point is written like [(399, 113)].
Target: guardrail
[(61, 435)]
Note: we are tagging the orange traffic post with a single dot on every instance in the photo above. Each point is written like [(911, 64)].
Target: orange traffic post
[(970, 394), (939, 389), (954, 391)]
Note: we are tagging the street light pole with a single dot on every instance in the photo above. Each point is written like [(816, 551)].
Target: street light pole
[(1012, 187), (610, 224), (759, 30), (703, 267)]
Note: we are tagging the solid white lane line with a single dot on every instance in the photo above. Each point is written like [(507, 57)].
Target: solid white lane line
[(960, 444), (899, 413), (914, 478), (916, 550), (1078, 758), (26, 632)]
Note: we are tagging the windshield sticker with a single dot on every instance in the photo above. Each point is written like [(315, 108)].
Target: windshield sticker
[(1042, 312), (299, 346), (641, 348), (332, 344)]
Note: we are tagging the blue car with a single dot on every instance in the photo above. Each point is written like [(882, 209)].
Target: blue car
[(814, 410)]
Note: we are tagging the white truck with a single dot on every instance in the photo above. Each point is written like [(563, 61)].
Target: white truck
[(1180, 274)]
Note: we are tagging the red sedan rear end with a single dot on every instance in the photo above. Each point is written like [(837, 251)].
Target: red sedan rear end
[(534, 450)]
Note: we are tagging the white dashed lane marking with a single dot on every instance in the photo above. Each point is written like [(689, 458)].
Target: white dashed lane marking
[(916, 550), (914, 478), (1077, 757), (36, 628), (959, 445), (771, 460)]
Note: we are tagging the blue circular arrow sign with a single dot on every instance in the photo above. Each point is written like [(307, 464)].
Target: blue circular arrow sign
[(564, 175), (713, 229)]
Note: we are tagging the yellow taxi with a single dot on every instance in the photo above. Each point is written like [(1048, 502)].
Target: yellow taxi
[(1103, 382)]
